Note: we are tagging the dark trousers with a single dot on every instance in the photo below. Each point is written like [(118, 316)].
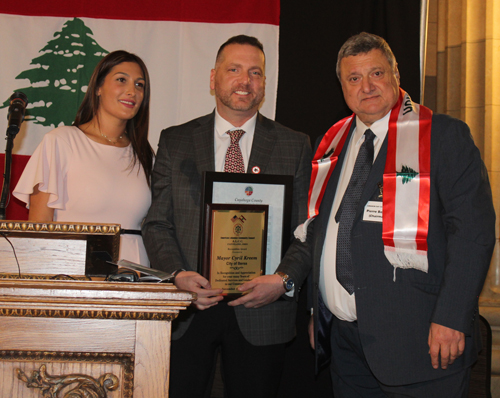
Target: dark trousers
[(352, 377), (247, 370)]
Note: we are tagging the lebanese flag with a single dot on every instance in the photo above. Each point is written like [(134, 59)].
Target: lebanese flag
[(50, 48)]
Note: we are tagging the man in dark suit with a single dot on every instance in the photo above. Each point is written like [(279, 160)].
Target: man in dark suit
[(251, 331), (395, 293)]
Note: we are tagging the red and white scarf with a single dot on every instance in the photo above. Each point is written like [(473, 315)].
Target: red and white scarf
[(406, 188)]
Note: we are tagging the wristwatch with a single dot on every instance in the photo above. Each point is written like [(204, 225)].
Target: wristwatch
[(288, 282), (174, 274)]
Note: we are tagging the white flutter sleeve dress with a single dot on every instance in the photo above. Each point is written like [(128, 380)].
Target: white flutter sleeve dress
[(89, 182)]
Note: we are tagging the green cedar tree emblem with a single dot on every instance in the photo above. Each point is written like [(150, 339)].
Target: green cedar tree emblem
[(407, 173), (59, 77)]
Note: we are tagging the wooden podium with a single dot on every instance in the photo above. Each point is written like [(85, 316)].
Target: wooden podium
[(95, 339)]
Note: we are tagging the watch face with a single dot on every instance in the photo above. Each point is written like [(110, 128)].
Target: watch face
[(289, 285)]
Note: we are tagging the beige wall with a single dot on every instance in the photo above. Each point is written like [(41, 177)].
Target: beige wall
[(462, 79)]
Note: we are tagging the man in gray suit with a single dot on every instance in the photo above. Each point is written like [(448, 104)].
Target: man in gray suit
[(401, 241), (251, 331)]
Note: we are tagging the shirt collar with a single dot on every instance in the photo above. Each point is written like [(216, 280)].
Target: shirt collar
[(222, 125), (379, 127)]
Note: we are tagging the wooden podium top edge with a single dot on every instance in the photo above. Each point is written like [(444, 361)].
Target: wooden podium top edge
[(8, 226)]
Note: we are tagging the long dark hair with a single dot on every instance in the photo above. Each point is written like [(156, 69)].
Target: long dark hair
[(137, 127)]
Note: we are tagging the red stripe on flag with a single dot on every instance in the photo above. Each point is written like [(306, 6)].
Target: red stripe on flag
[(334, 160), (211, 11), (16, 210), (337, 128), (389, 179), (314, 174), (425, 177)]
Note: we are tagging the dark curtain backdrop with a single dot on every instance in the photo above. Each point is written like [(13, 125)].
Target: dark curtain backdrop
[(311, 33), (310, 100)]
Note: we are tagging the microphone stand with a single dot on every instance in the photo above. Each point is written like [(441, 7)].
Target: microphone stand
[(11, 134)]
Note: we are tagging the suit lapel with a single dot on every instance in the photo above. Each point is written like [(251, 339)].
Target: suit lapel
[(203, 142), (331, 188), (264, 140)]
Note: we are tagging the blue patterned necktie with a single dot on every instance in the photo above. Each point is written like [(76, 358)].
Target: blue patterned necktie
[(347, 211)]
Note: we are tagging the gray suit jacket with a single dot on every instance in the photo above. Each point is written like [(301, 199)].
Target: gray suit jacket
[(395, 309), (171, 229)]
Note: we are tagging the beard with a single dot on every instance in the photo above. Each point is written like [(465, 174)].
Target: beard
[(225, 97)]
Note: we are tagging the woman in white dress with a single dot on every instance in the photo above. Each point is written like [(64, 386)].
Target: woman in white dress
[(99, 169)]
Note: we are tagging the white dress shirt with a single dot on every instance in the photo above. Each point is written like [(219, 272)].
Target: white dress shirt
[(336, 298), (222, 140)]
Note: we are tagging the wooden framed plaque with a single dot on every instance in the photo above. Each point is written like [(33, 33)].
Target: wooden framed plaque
[(275, 191), (234, 248)]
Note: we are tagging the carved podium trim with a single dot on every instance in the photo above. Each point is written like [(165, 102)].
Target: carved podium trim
[(91, 300), (51, 386), (44, 277), (55, 227), (32, 328), (87, 314), (40, 378)]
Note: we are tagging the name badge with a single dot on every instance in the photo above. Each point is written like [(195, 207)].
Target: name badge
[(373, 212)]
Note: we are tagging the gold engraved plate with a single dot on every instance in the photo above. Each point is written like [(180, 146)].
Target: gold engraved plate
[(238, 246)]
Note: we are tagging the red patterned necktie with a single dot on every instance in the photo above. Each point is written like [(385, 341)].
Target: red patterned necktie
[(234, 158)]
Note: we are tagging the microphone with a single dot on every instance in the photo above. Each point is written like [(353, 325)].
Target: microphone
[(18, 102)]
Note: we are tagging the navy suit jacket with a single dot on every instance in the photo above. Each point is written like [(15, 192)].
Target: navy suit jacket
[(171, 228), (395, 308)]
